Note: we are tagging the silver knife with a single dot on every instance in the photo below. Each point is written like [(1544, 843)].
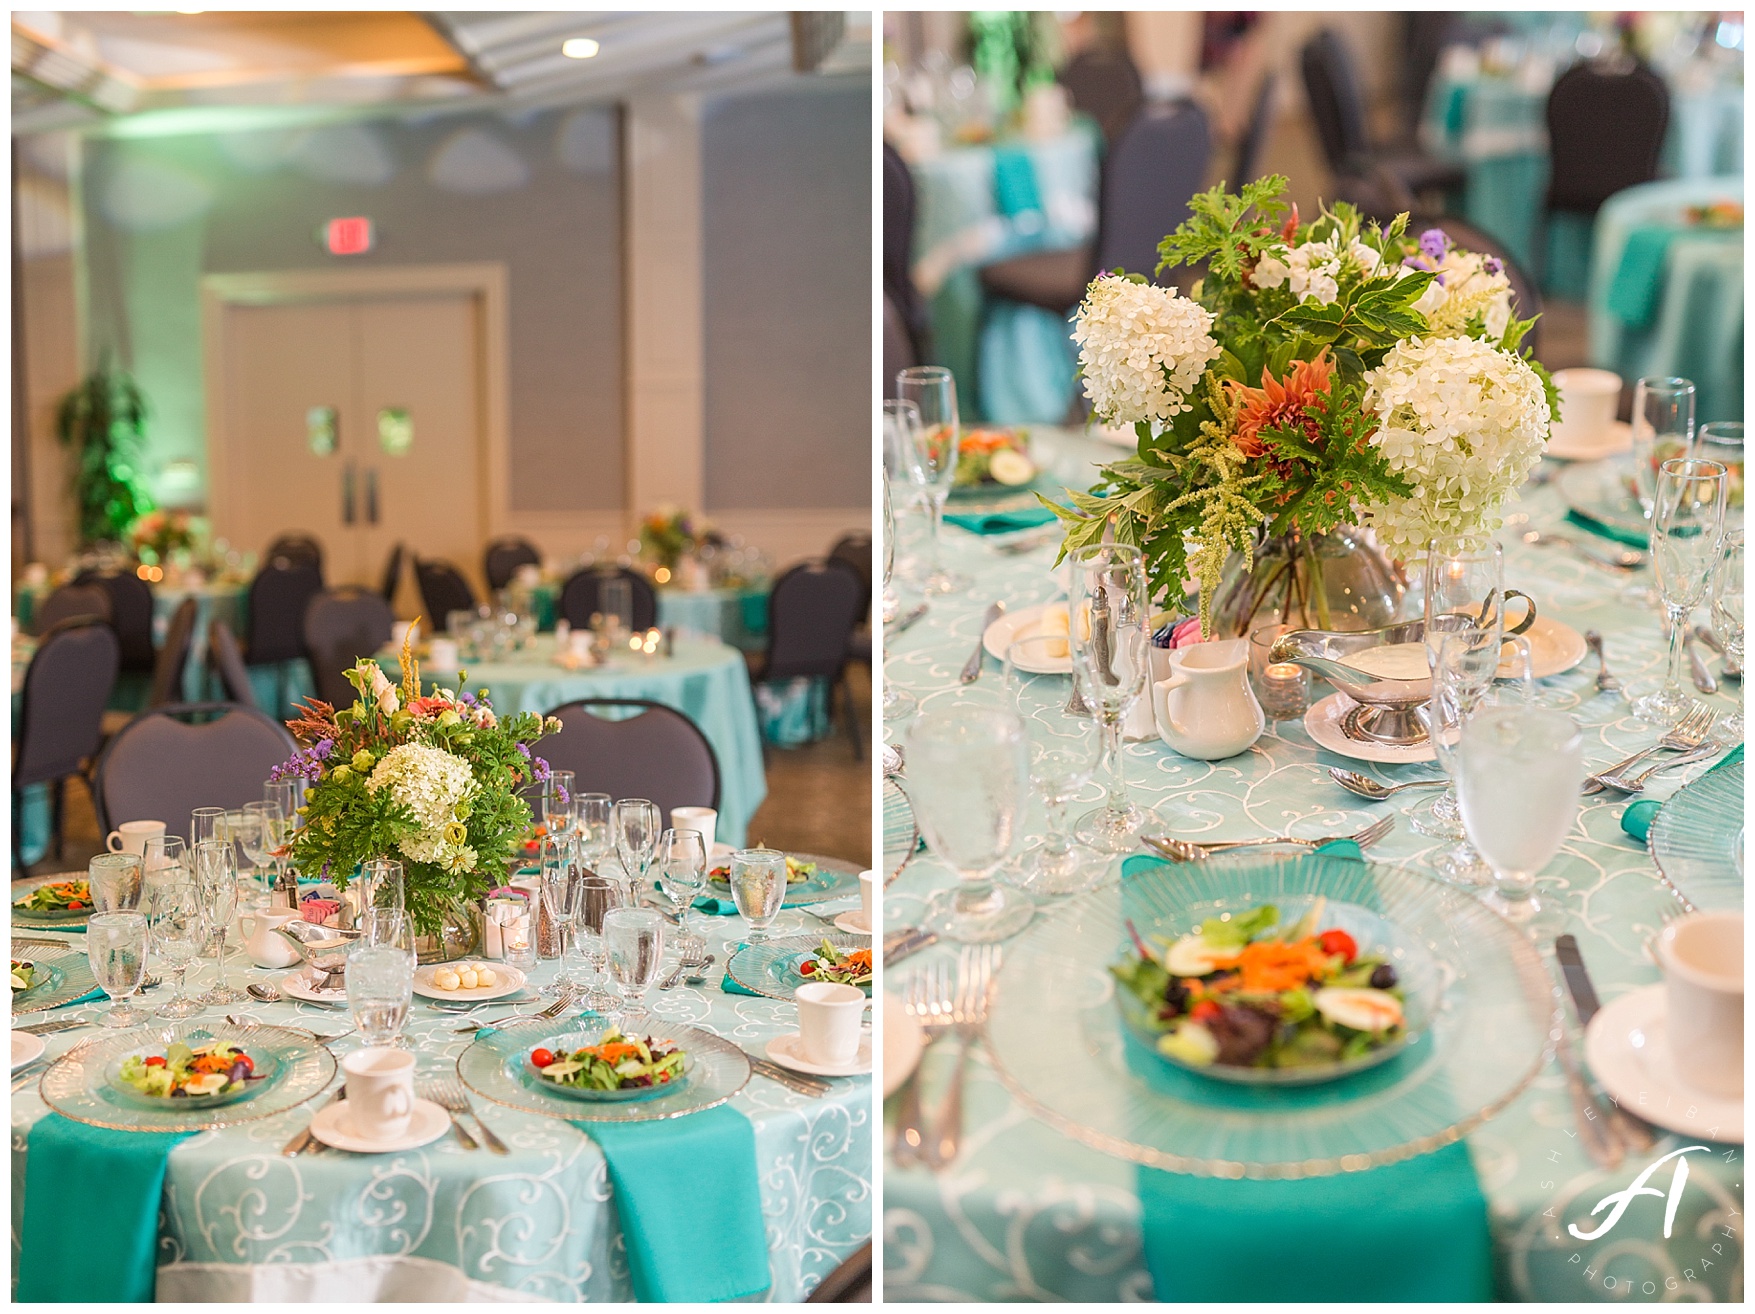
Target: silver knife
[(1702, 677), (1634, 1134), (907, 619), (909, 940), (1731, 670), (972, 667), (49, 1028), (301, 1142)]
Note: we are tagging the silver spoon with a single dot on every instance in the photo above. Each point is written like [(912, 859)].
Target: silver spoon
[(266, 993), (1366, 787), (700, 973)]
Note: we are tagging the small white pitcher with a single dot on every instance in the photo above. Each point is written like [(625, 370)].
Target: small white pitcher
[(265, 948), (1206, 708)]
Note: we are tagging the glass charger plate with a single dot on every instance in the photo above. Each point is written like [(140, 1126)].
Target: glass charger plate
[(493, 1067), (771, 968), (77, 1084), (1696, 839), (833, 879), (70, 977), (1059, 1043), (901, 833), (994, 499), (62, 917), (1602, 491)]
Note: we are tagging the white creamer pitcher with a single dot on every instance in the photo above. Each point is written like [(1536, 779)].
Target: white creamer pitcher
[(265, 948), (1206, 708)]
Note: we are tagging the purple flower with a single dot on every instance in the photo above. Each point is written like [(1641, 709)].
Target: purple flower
[(322, 749), (1434, 242), (466, 698), (540, 768), (1492, 264), (524, 749)]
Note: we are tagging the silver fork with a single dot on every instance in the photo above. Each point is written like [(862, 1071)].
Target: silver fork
[(1633, 784), (1190, 851), (554, 1010), (1687, 735), (432, 1090), (975, 969), (449, 1094), (928, 1001)]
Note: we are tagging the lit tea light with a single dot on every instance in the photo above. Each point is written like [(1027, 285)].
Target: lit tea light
[(661, 575), (1285, 691)]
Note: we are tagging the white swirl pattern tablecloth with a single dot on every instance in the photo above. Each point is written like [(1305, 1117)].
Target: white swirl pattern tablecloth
[(1028, 1214)]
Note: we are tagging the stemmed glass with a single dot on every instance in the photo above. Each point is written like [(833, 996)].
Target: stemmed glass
[(1520, 773), (1722, 441), (383, 885), (758, 888), (115, 945), (115, 880), (934, 446), (242, 830), (179, 931), (165, 858), (897, 702), (635, 824), (597, 896), (380, 987), (264, 833), (1728, 585), (1063, 758), (217, 877), (557, 802), (682, 875), (633, 940), (206, 824), (1687, 528), (969, 774), (1110, 643), (560, 900), (901, 421), (1663, 430), (591, 833)]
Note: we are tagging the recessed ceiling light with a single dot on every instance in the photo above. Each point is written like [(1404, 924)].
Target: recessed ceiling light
[(579, 47)]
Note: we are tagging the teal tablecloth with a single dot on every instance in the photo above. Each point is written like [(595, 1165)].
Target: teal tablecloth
[(978, 204), (735, 616), (1029, 1214)]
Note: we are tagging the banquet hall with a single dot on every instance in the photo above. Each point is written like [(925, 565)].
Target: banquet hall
[(442, 765), (1312, 644)]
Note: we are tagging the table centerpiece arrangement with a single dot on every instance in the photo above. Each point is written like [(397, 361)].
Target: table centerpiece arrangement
[(1329, 398), (431, 780)]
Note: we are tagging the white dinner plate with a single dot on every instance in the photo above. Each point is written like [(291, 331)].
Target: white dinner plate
[(1628, 1048), (300, 985), (904, 1042), (1323, 721), (26, 1048), (1024, 623), (788, 1052), (333, 1127), (1598, 446), (508, 980)]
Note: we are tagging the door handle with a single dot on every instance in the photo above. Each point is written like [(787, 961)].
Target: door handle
[(347, 516), (372, 496)]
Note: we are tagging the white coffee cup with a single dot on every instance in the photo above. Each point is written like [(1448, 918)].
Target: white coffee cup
[(380, 1092), (703, 820), (1588, 400), (1701, 957), (442, 654), (829, 1015), (866, 887), (131, 836)]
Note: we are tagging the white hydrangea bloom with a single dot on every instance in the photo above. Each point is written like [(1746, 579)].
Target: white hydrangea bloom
[(1313, 269), (1461, 421), (1470, 287), (430, 783), (1143, 349)]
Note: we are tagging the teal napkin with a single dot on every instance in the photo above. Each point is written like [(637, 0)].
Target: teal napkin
[(1636, 818), (717, 1247), (1014, 182), (1630, 537), (91, 1204), (731, 987), (1362, 1236), (1639, 278), (92, 996), (1002, 522), (714, 907)]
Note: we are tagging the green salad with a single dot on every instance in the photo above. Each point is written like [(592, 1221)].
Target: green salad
[(615, 1062), (24, 974), (796, 871), (842, 966), (1241, 992), (218, 1068)]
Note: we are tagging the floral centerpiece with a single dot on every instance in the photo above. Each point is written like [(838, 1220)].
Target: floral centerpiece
[(666, 534), (157, 534), (1320, 378), (430, 780)]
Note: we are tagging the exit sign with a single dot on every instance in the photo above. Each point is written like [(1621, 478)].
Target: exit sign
[(345, 237)]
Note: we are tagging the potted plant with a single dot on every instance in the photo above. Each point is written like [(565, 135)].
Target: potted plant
[(102, 422)]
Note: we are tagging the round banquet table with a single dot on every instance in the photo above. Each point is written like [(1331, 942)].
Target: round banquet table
[(738, 616), (241, 1222), (1027, 1213), (705, 680)]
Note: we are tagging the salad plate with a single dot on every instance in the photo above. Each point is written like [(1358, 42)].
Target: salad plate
[(1488, 1012), (581, 1064), (81, 1083), (494, 1067), (57, 900), (825, 879), (1045, 620), (776, 968), (901, 834), (1602, 491), (63, 976), (26, 1048), (137, 1079), (1696, 840)]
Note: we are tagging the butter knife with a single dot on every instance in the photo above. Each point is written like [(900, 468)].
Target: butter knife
[(302, 1142), (1634, 1133), (49, 1028), (909, 940), (905, 620), (972, 667)]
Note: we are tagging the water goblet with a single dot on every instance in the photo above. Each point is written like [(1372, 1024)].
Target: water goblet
[(1063, 759), (635, 825), (1110, 646), (935, 446), (263, 835), (164, 858), (390, 927), (380, 987), (115, 880), (115, 945), (900, 421), (383, 884), (179, 931), (682, 875), (633, 940), (597, 896), (1686, 532), (758, 888)]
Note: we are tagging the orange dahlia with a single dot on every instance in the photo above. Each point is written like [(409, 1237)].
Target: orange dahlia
[(1280, 403)]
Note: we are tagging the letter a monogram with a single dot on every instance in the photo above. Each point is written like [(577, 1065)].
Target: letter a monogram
[(1621, 1199)]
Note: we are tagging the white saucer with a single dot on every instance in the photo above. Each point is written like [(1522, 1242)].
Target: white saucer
[(904, 1042), (332, 1127), (788, 1052), (1323, 721), (1598, 446), (508, 980), (1554, 647), (26, 1048), (1628, 1048), (298, 985), (1024, 623), (854, 923)]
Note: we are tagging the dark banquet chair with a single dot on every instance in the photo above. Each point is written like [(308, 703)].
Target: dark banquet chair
[(443, 590), (73, 602), (503, 557), (60, 715), (657, 753), (274, 626), (392, 577), (1106, 85), (130, 615), (340, 627), (296, 550), (167, 762), (228, 663), (1606, 124), (812, 612), (1246, 166), (579, 599), (168, 669), (906, 340)]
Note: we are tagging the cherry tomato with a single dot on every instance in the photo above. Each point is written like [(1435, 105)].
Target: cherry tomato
[(156, 1061), (542, 1058), (248, 1062), (1204, 1010), (807, 967), (74, 903), (1338, 942)]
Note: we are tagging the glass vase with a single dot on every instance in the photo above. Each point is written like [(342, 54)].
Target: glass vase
[(1341, 580)]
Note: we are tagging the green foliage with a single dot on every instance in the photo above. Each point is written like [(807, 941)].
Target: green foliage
[(1227, 230), (102, 422)]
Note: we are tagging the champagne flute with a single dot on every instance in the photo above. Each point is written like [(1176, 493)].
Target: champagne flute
[(559, 887), (115, 881), (758, 888), (1063, 758), (179, 931), (969, 779), (205, 824), (1722, 441), (557, 802), (591, 814), (380, 987), (897, 702), (635, 824), (289, 795), (1110, 644), (115, 945), (936, 444), (1463, 587), (682, 875), (1663, 429), (217, 877), (1687, 528), (384, 885), (633, 940), (1728, 588), (901, 421)]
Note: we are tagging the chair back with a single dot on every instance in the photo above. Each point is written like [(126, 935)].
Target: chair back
[(811, 614), (297, 550), (1106, 85), (392, 576), (1254, 139), (1157, 165), (503, 557), (898, 345), (443, 590), (1526, 297), (579, 597), (162, 765), (657, 753), (341, 626), (73, 602), (223, 654), (899, 252), (1606, 124), (130, 614), (279, 595), (173, 658), (1331, 85), (61, 705), (854, 551)]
